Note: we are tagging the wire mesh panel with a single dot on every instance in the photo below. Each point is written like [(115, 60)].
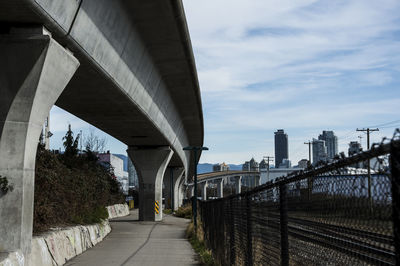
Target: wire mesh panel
[(338, 223), (265, 223), (338, 214)]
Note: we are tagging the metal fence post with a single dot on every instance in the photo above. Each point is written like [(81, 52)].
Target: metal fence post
[(284, 225), (395, 176), (249, 232), (232, 253)]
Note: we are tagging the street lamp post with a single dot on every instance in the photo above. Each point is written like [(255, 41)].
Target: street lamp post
[(195, 150)]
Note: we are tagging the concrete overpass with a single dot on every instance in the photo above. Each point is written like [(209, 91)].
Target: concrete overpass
[(249, 178), (126, 67)]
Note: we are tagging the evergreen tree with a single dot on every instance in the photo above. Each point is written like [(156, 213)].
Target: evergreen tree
[(70, 145)]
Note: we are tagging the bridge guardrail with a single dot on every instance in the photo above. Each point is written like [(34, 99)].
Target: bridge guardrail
[(334, 214)]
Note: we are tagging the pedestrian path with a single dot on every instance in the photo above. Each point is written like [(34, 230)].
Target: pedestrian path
[(133, 242)]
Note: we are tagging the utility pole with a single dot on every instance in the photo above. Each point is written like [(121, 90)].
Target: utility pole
[(309, 152), (196, 151), (360, 137), (269, 159), (309, 181), (368, 130)]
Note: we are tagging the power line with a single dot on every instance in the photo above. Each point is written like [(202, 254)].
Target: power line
[(368, 130), (388, 123)]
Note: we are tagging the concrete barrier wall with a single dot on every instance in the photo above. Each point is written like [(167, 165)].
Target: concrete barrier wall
[(117, 210), (62, 244)]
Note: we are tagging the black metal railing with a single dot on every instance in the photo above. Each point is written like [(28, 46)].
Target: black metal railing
[(335, 214)]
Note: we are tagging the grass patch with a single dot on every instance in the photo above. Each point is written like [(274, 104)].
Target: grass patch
[(167, 211), (197, 242)]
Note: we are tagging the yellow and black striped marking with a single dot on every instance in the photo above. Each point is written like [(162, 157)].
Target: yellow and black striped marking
[(156, 207)]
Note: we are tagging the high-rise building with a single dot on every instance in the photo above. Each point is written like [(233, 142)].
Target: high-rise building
[(251, 165), (281, 147), (331, 143), (319, 153)]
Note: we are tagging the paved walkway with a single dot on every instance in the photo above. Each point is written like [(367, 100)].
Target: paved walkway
[(132, 242)]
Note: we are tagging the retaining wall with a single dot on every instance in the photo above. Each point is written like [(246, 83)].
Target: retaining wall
[(62, 244)]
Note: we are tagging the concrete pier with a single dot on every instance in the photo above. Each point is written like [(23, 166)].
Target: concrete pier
[(220, 188), (150, 164), (238, 184), (172, 177), (34, 71), (181, 193), (203, 189)]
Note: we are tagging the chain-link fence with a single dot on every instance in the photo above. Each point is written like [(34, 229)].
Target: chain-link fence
[(337, 214)]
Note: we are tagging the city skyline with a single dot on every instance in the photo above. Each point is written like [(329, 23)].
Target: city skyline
[(117, 147)]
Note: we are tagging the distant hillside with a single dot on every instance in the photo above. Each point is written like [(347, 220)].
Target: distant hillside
[(208, 167), (236, 167), (204, 168)]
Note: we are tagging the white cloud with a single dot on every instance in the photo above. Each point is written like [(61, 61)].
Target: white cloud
[(293, 64)]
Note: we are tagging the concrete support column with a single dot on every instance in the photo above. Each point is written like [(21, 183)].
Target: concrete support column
[(177, 189), (257, 180), (238, 184), (181, 192), (34, 71), (150, 164), (171, 179), (220, 188), (203, 188)]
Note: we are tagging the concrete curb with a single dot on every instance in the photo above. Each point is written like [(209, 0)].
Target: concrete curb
[(62, 244)]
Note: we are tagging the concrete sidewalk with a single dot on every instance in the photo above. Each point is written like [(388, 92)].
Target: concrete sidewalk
[(132, 242)]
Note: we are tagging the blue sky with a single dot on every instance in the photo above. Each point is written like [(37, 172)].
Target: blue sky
[(304, 66)]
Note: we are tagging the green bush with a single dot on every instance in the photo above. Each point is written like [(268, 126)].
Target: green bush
[(73, 190)]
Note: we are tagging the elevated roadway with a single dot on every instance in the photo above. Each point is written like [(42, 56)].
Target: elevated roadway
[(126, 67), (250, 178)]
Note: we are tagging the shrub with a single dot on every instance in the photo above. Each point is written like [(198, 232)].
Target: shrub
[(69, 193), (184, 211)]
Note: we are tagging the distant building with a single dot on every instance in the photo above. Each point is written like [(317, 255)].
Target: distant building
[(263, 164), (286, 163), (116, 164), (281, 147), (354, 148), (220, 167), (303, 163), (251, 165), (270, 175), (331, 143), (132, 175), (319, 153)]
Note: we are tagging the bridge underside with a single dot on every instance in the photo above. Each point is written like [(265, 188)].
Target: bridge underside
[(136, 81)]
